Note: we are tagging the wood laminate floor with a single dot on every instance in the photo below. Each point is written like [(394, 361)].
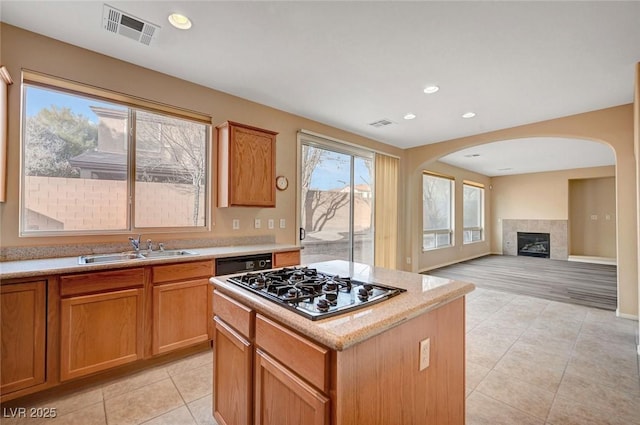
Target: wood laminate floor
[(592, 285)]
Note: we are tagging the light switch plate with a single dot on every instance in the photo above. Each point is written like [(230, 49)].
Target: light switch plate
[(270, 223), (425, 348), (257, 223), (283, 223), (236, 224)]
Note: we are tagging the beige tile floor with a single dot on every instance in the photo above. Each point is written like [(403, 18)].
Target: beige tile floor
[(529, 361)]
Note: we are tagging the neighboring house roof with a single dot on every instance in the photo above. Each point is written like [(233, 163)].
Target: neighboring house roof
[(113, 162)]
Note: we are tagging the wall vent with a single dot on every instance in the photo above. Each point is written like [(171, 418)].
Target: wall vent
[(119, 22), (381, 123)]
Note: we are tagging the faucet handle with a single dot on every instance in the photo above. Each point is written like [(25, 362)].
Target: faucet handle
[(149, 245)]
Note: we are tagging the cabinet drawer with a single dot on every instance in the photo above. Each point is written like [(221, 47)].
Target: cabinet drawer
[(284, 259), (302, 356), (86, 283), (182, 271), (233, 313)]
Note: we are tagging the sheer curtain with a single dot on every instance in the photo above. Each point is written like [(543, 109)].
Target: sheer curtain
[(386, 211)]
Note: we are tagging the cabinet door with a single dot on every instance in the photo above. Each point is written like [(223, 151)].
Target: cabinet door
[(23, 325), (181, 314), (246, 166), (232, 376), (100, 331), (287, 258), (283, 398)]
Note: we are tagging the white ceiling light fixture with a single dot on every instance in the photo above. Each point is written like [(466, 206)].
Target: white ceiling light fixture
[(469, 114), (409, 116), (431, 89), (179, 21)]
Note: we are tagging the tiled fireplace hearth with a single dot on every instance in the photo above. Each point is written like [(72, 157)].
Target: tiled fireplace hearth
[(557, 229)]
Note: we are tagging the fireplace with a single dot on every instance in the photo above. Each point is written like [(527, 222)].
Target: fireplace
[(534, 244)]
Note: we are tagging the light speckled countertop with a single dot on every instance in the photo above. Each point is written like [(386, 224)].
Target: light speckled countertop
[(424, 293), (53, 266)]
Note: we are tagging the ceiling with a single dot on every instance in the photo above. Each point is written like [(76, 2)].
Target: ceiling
[(349, 64)]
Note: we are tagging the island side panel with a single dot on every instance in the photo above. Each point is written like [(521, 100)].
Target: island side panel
[(379, 382)]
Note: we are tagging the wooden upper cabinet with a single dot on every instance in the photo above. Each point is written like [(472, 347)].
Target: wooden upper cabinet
[(246, 166)]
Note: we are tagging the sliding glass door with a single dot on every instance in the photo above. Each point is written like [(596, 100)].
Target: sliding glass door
[(336, 202)]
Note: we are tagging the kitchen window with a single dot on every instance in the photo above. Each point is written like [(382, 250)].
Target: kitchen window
[(473, 207), (95, 161), (437, 211)]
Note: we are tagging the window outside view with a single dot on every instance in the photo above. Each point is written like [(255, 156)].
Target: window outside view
[(437, 211), (76, 166), (473, 199), (337, 224)]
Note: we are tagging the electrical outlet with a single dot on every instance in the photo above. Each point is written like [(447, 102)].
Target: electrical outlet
[(594, 217), (270, 223), (236, 224), (283, 223), (425, 348), (257, 223), (408, 260)]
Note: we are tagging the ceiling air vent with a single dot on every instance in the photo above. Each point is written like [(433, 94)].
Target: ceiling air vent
[(118, 22), (381, 123)]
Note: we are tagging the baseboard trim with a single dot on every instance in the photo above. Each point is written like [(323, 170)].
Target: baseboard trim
[(459, 260), (593, 260), (626, 316)]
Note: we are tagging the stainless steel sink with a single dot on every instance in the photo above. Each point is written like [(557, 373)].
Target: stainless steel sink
[(109, 258), (128, 256), (167, 253)]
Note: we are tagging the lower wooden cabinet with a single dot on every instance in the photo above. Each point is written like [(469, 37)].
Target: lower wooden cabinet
[(286, 258), (281, 397), (23, 322), (100, 331), (101, 321), (232, 376), (180, 314), (182, 305)]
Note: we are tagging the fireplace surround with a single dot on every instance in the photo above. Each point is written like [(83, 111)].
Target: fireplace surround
[(557, 230)]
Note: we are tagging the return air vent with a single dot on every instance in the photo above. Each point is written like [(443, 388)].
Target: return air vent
[(119, 22), (381, 123)]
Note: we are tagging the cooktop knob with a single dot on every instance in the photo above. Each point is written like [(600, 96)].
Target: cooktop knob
[(363, 294)]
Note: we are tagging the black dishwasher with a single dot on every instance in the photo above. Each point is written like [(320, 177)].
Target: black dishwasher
[(242, 264)]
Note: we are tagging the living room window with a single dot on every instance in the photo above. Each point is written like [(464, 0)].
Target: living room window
[(95, 161), (437, 211), (472, 216)]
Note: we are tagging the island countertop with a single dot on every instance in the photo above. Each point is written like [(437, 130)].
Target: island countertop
[(423, 293)]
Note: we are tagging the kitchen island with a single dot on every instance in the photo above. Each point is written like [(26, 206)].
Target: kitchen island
[(399, 361)]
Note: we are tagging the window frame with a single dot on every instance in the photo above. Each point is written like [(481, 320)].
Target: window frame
[(435, 232), (132, 104), (480, 187)]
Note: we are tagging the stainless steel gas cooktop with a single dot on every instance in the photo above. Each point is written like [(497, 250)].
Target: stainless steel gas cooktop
[(313, 294)]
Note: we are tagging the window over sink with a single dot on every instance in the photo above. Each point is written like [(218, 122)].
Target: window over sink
[(95, 161)]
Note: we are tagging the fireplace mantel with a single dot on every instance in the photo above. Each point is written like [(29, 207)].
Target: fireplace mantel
[(557, 230)]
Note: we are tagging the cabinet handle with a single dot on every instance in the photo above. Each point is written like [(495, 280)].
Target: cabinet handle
[(303, 233)]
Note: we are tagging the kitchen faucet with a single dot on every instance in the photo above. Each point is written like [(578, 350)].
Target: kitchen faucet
[(135, 243)]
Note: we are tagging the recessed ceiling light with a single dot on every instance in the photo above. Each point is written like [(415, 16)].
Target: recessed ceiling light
[(505, 169), (431, 89), (409, 116), (472, 155), (180, 21), (468, 115)]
